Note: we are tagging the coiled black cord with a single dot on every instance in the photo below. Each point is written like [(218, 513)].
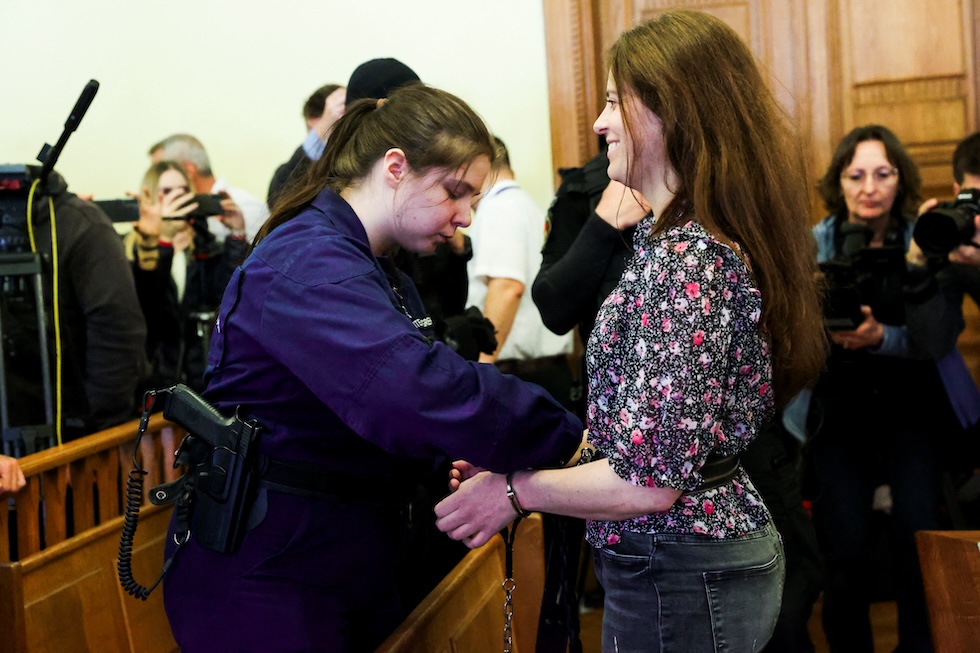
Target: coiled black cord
[(134, 499)]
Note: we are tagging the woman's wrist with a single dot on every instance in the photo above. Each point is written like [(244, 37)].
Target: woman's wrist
[(512, 495)]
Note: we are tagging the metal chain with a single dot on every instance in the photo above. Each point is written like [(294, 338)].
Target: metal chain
[(509, 586)]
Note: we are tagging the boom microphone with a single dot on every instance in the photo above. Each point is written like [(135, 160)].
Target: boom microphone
[(49, 155), (84, 100)]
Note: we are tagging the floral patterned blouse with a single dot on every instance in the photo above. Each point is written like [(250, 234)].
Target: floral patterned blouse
[(678, 368)]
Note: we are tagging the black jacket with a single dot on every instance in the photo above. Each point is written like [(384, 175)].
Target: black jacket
[(179, 330), (584, 256), (102, 328), (296, 165)]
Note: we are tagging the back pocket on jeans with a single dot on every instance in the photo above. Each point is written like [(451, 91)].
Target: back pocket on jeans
[(744, 604)]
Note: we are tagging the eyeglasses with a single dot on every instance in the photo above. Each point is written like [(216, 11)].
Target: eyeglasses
[(880, 176)]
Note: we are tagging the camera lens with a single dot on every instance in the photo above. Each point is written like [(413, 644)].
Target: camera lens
[(941, 230)]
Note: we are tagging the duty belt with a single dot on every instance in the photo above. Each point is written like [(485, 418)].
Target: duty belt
[(317, 482)]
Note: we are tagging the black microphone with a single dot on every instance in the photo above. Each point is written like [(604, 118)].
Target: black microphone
[(84, 100), (49, 155)]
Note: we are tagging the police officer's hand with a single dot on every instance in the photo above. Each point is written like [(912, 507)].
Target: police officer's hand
[(461, 471), (11, 477), (470, 334)]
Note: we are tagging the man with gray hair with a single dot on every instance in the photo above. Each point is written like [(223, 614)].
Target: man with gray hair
[(189, 152)]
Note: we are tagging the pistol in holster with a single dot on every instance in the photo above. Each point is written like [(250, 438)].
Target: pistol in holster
[(220, 455)]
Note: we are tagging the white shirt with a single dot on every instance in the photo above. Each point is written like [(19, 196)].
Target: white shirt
[(253, 209), (507, 235)]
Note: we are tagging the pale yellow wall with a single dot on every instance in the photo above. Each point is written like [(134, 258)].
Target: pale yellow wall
[(235, 74)]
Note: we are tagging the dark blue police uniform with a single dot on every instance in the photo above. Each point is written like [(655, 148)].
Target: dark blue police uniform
[(314, 342)]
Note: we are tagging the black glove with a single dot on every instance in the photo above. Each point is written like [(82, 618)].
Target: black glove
[(470, 333)]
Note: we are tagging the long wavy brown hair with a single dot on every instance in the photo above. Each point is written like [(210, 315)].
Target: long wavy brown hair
[(740, 170)]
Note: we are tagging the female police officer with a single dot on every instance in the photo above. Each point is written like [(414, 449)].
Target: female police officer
[(320, 341)]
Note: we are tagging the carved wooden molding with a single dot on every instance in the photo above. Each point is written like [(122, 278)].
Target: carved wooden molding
[(646, 8), (902, 91)]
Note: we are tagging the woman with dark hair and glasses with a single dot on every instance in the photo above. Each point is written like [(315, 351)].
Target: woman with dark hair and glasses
[(883, 402)]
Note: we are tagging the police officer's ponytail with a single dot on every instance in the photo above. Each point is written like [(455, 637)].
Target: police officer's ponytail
[(434, 129)]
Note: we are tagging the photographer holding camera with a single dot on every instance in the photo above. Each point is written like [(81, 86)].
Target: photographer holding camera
[(952, 229), (945, 253), (884, 402), (190, 153), (181, 270), (969, 254)]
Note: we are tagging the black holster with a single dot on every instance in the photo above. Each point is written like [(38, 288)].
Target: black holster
[(214, 495)]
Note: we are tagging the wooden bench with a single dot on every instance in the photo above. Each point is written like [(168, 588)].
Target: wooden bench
[(59, 589), (59, 544), (950, 562), (465, 612)]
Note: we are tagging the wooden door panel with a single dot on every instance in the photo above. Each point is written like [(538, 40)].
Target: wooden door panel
[(835, 64)]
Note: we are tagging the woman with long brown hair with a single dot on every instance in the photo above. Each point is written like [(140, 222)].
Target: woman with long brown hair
[(715, 322)]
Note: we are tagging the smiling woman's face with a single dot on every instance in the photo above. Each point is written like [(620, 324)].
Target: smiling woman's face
[(637, 156)]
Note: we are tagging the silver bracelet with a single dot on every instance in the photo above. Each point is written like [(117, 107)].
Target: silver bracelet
[(512, 495)]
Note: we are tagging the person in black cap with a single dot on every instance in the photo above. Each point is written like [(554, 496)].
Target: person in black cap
[(377, 78), (372, 79)]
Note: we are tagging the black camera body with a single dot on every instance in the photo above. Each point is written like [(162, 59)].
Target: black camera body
[(857, 276), (207, 206), (842, 302), (948, 225), (120, 210), (15, 183)]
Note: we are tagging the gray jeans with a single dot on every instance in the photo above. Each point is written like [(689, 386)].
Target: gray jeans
[(690, 593)]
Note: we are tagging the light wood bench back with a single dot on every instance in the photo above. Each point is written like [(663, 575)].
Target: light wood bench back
[(59, 541)]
